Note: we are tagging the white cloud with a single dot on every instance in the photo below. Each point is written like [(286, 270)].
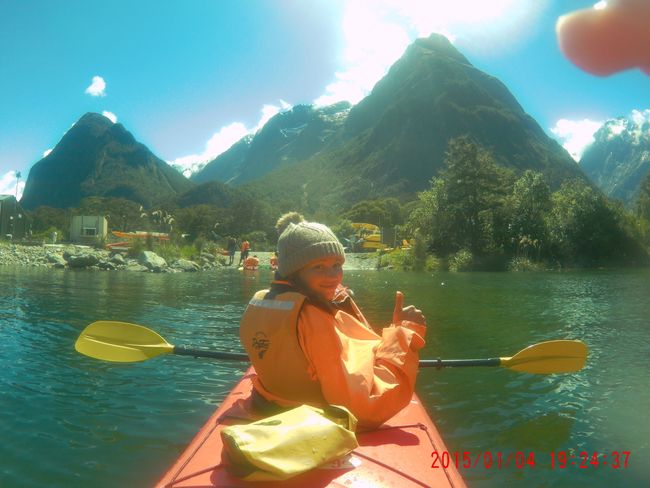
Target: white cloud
[(376, 33), (268, 111), (641, 128), (8, 185), (110, 116), (373, 42), (615, 127), (640, 117), (222, 140), (636, 126), (575, 135), (97, 88)]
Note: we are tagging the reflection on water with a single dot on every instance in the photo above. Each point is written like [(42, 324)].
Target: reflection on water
[(90, 423)]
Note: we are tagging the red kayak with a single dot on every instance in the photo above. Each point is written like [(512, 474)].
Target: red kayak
[(398, 454)]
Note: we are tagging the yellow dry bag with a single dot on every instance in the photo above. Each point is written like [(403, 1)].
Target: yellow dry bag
[(290, 443)]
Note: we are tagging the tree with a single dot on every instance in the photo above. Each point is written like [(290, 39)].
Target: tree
[(198, 220), (122, 214), (583, 227), (526, 207), (464, 207), (643, 210), (45, 219), (643, 200), (384, 212)]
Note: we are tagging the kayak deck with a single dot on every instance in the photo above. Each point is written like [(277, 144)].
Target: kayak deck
[(398, 454)]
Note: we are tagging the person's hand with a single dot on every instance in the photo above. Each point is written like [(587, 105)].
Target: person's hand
[(406, 313), (607, 39)]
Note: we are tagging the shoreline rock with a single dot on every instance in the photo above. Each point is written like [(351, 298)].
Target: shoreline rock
[(76, 256)]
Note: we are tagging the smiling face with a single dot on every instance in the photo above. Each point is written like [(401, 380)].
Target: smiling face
[(322, 276)]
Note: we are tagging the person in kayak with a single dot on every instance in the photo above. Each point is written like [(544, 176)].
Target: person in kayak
[(310, 343)]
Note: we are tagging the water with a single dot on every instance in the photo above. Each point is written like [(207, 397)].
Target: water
[(70, 421)]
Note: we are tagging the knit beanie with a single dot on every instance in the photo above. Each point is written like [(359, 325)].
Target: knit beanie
[(303, 242)]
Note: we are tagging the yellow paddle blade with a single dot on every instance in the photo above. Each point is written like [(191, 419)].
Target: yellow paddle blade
[(562, 356), (121, 342)]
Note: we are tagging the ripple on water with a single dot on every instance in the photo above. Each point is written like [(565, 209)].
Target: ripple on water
[(90, 423)]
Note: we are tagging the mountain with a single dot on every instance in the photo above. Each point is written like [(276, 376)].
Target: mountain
[(211, 193), (433, 94), (394, 141), (619, 158), (228, 165), (287, 138), (99, 158)]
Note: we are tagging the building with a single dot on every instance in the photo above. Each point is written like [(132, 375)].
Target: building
[(90, 230), (14, 223)]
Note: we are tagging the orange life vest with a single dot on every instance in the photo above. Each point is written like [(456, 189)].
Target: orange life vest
[(251, 263), (268, 332)]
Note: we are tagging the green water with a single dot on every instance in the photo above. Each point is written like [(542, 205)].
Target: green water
[(69, 421)]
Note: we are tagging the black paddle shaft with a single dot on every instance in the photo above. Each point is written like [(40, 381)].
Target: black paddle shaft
[(424, 363), (202, 353), (458, 363)]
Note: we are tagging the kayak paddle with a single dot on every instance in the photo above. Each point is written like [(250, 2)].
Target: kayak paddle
[(126, 343), (561, 356)]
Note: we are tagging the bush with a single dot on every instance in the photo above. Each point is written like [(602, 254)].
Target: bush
[(398, 258), (258, 241), (169, 252), (199, 243), (461, 261), (524, 264), (189, 252), (433, 263), (419, 252), (46, 235), (137, 246)]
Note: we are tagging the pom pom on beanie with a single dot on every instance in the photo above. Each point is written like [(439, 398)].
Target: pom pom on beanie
[(286, 219)]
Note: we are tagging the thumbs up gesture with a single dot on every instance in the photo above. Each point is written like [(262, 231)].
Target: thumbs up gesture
[(406, 313)]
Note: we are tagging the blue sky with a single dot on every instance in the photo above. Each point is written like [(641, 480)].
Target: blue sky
[(188, 78)]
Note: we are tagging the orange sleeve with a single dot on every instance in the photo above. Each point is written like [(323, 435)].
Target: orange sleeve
[(372, 376)]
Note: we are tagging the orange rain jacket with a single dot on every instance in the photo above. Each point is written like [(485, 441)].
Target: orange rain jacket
[(304, 352)]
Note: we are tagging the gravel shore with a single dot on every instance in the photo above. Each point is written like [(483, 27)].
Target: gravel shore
[(74, 256)]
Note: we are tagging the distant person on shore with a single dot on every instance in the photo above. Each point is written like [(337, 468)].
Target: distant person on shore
[(273, 261), (243, 253), (612, 36), (317, 346), (232, 248)]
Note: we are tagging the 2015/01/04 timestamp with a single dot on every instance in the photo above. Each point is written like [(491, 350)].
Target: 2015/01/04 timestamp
[(590, 460), (528, 459)]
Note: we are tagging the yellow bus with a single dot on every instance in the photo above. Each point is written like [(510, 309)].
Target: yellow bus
[(369, 236)]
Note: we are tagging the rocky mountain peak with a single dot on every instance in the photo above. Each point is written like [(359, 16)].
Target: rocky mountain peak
[(96, 157), (436, 45), (619, 158)]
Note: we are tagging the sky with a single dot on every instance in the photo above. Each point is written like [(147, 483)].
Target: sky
[(189, 78)]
